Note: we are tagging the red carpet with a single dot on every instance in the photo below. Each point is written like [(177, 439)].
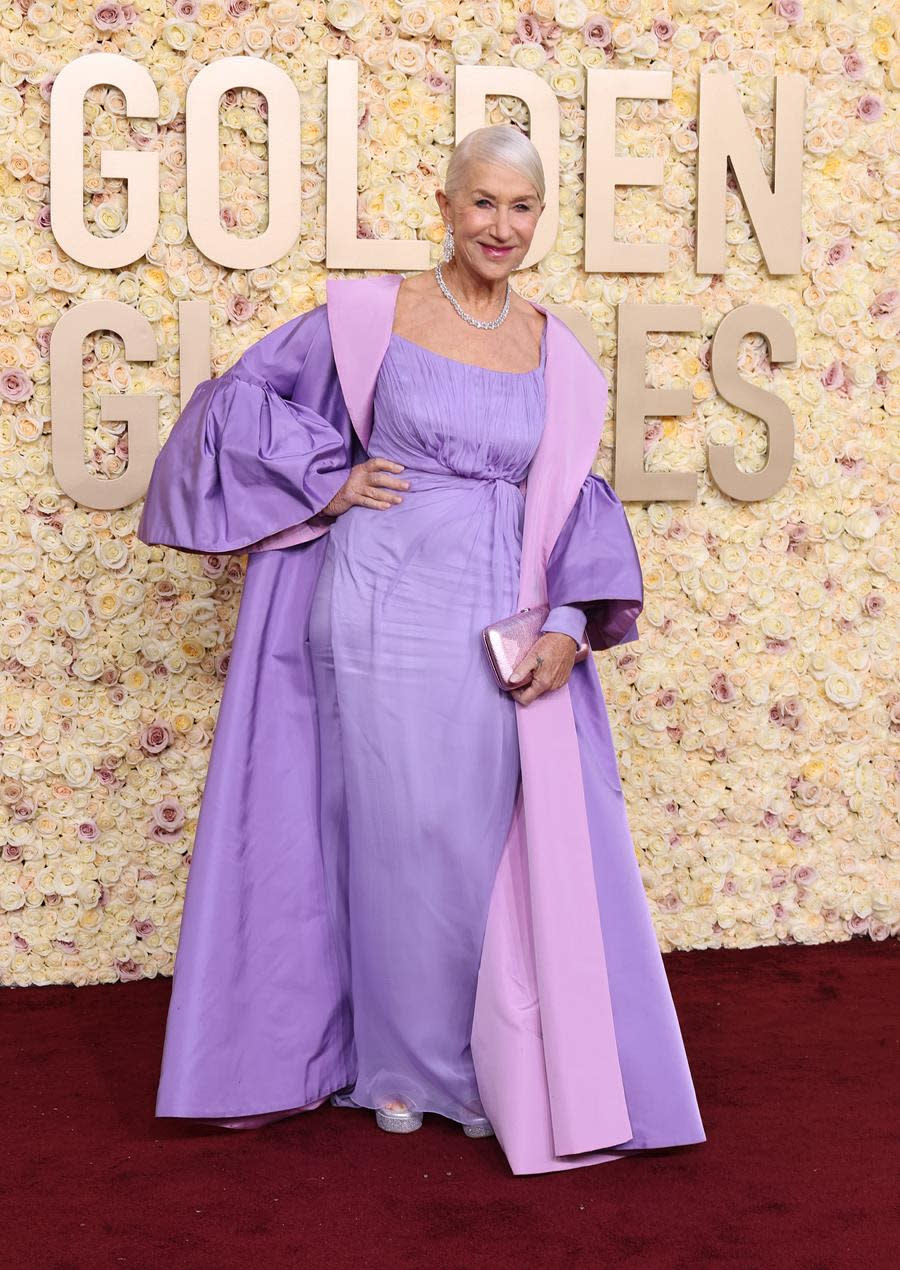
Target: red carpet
[(794, 1056)]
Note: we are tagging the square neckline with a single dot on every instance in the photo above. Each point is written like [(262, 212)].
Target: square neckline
[(488, 370)]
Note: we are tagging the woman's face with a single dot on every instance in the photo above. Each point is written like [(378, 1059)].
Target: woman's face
[(497, 208)]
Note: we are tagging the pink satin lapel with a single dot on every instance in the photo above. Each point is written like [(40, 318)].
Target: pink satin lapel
[(543, 1039), (360, 318), (587, 1096)]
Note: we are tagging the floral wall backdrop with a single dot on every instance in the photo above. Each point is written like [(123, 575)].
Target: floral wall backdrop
[(756, 719)]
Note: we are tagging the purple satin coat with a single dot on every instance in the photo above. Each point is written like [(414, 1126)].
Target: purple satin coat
[(577, 1046)]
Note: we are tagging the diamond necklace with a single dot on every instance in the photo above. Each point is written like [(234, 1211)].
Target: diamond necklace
[(485, 326)]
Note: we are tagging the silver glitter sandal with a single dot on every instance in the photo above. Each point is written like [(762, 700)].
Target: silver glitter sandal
[(400, 1121), (480, 1129)]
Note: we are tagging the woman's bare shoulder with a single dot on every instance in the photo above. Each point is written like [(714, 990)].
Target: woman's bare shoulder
[(536, 318)]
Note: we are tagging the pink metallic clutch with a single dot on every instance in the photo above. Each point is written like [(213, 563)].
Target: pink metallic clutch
[(507, 641)]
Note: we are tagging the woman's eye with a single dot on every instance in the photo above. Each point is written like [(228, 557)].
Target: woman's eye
[(524, 206)]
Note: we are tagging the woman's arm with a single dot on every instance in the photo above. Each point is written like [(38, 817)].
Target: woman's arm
[(593, 580), (257, 452), (594, 565)]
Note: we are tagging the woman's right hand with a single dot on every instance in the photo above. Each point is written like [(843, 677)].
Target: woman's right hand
[(368, 485)]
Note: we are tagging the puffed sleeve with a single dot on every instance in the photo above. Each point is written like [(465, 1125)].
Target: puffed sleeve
[(257, 452), (594, 564)]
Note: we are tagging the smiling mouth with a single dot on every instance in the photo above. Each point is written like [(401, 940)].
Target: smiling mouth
[(495, 251)]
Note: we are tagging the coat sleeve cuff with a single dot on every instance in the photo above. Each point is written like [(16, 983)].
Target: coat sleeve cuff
[(568, 619)]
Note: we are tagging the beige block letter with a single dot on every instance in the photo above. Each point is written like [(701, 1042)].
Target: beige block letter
[(604, 170), (202, 148), (138, 410), (725, 136), (752, 486), (635, 402), (140, 170), (343, 248)]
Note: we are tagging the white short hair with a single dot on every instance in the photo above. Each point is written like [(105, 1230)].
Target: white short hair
[(496, 143)]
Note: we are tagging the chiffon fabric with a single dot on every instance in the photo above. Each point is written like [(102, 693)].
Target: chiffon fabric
[(415, 815)]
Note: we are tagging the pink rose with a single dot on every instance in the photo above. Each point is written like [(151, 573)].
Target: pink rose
[(109, 17), (833, 377), (839, 251), (169, 814), (790, 10), (869, 108), (663, 29), (437, 82), (722, 688), (884, 303), (854, 66), (239, 308), (528, 29), (15, 385), (187, 10), (156, 833), (213, 566), (783, 716), (155, 738), (597, 33)]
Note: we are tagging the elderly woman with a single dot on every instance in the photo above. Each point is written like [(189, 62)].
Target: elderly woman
[(413, 888)]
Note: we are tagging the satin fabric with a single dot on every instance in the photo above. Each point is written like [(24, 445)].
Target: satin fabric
[(575, 1040)]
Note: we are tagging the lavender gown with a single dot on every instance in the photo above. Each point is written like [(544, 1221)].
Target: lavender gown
[(260, 1023), (415, 816)]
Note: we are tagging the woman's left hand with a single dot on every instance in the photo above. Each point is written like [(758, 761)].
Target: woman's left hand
[(549, 663)]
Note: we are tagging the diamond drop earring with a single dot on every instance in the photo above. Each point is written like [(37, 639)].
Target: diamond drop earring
[(447, 244)]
